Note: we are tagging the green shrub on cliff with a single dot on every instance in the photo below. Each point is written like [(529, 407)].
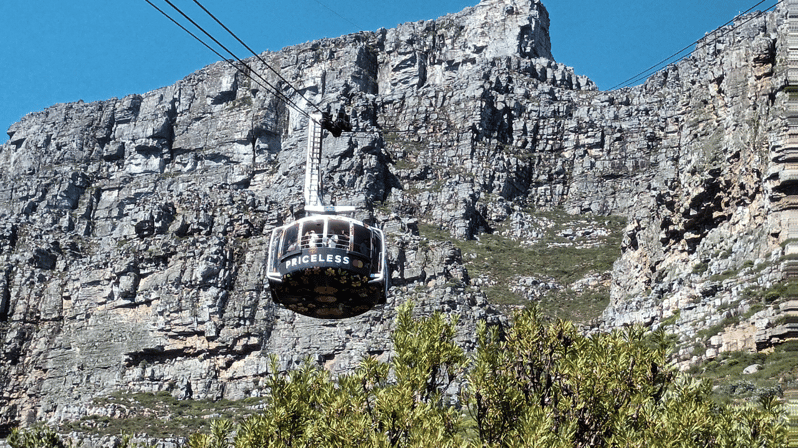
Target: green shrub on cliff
[(546, 385), (396, 404), (37, 437), (536, 383)]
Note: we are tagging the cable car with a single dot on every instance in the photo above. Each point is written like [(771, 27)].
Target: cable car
[(326, 265)]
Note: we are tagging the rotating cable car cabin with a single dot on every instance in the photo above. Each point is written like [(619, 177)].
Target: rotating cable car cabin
[(326, 265)]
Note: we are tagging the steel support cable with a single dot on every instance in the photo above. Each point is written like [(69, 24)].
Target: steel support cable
[(266, 64), (277, 91), (648, 72), (733, 28), (358, 27), (189, 32), (206, 45), (270, 67), (654, 68), (257, 56)]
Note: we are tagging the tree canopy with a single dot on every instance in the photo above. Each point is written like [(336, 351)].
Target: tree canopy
[(533, 384)]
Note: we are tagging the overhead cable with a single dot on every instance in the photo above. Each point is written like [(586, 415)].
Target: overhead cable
[(186, 30), (249, 71), (339, 15), (268, 86), (658, 66), (257, 56), (276, 90)]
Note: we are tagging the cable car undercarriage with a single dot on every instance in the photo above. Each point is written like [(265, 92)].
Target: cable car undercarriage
[(326, 265)]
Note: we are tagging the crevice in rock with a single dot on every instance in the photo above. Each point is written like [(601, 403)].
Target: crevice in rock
[(155, 355), (265, 144), (16, 144), (5, 295), (44, 258), (227, 95), (128, 109), (171, 115), (252, 141), (13, 236)]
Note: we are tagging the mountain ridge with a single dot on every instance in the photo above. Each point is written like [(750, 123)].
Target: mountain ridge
[(134, 230)]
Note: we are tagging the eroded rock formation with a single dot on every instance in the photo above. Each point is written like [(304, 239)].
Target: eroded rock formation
[(133, 231)]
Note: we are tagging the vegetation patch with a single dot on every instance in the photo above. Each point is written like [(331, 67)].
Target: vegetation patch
[(576, 306), (707, 333), (556, 257), (731, 273), (778, 369), (779, 291), (700, 268), (671, 320), (158, 414), (532, 383), (405, 164)]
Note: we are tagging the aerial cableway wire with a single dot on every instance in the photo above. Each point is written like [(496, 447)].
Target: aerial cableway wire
[(268, 86), (654, 68), (358, 27), (658, 66), (257, 56), (250, 70), (186, 30)]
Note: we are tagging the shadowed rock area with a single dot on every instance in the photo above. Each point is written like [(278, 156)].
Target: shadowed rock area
[(134, 231)]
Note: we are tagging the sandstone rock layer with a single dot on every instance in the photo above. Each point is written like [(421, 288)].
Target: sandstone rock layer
[(133, 231)]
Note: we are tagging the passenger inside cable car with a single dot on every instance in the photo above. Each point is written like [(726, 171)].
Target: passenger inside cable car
[(327, 266)]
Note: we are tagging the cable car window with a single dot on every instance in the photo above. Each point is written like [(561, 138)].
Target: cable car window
[(313, 233), (338, 234), (290, 243), (362, 240), (376, 250), (274, 250)]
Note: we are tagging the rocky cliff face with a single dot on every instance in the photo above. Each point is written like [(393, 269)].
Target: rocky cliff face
[(133, 231)]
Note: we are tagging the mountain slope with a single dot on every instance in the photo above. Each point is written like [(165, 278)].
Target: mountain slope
[(133, 231)]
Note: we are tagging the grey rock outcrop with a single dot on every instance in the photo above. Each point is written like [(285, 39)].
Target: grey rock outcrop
[(133, 231)]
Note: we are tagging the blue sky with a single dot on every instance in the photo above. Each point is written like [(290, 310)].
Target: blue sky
[(56, 51)]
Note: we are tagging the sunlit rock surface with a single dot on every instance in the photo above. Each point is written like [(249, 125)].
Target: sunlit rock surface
[(133, 231)]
